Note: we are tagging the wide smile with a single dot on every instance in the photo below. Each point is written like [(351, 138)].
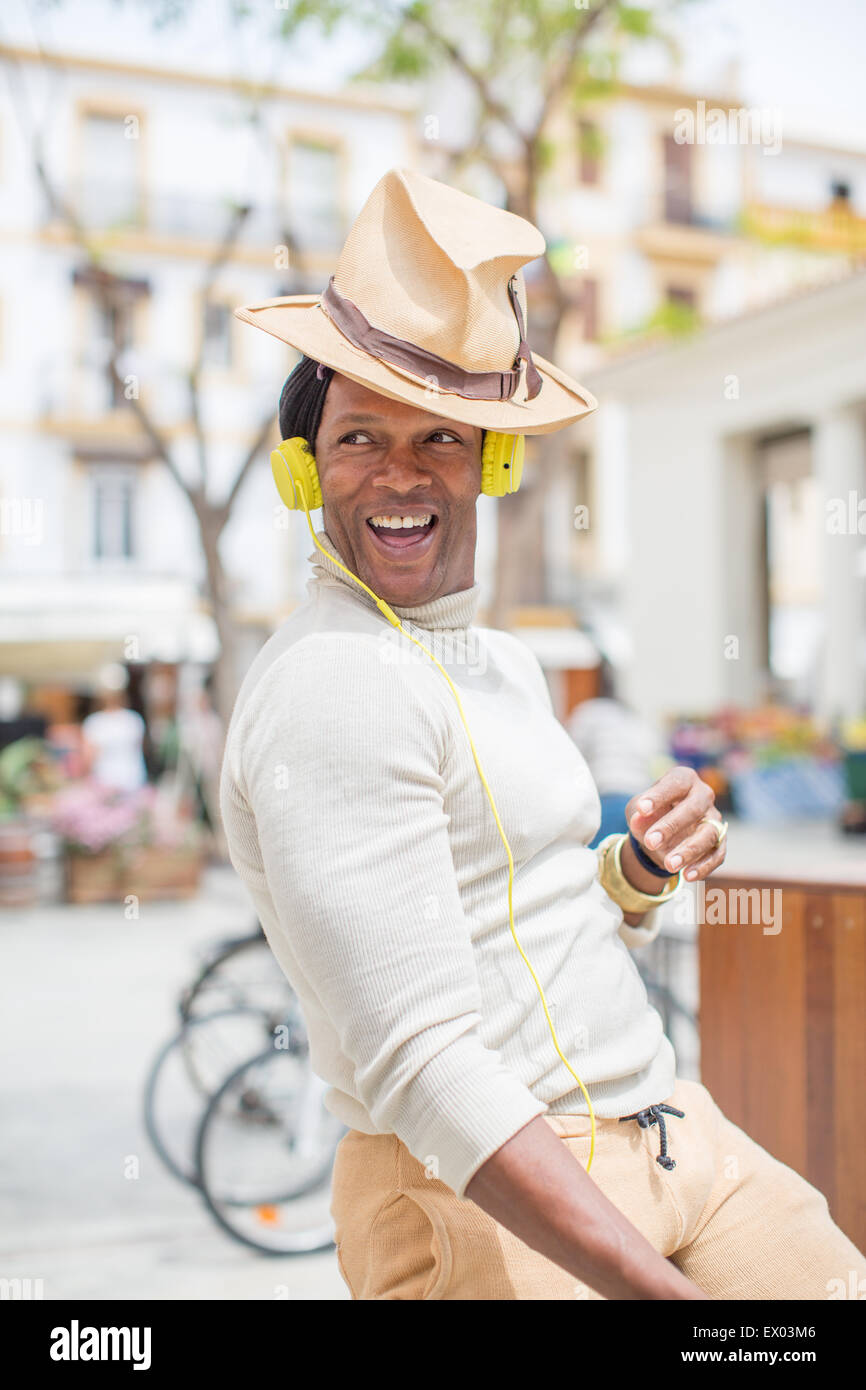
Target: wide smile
[(415, 540)]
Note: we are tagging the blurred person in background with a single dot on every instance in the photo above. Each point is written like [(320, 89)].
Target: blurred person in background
[(200, 739), (113, 742), (620, 748), (200, 744)]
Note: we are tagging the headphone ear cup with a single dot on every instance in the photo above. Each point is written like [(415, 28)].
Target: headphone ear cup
[(501, 463), (295, 473)]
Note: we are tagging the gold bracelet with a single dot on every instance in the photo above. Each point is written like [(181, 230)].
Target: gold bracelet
[(617, 886)]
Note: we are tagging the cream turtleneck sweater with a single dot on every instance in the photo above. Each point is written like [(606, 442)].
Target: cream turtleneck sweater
[(356, 817)]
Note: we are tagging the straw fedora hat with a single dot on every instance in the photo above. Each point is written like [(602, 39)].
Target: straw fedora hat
[(427, 305)]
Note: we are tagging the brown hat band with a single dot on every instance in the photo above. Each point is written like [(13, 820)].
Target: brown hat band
[(478, 386)]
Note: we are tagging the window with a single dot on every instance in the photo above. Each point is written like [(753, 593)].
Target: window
[(315, 195), (112, 498), (217, 335), (678, 181), (589, 149), (681, 294), (110, 170)]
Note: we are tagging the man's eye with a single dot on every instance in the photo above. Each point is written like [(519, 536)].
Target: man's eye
[(355, 434)]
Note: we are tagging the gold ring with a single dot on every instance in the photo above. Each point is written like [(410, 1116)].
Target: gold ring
[(720, 827)]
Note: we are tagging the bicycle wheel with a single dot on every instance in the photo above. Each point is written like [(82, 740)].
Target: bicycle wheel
[(267, 1182), (173, 1102), (243, 974)]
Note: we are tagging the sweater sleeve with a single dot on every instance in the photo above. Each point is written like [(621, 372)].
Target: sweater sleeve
[(341, 764), (678, 914), (646, 930)]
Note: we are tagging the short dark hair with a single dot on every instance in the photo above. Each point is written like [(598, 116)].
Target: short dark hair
[(303, 399)]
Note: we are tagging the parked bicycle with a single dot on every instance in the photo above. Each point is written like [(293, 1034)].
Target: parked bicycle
[(234, 1110)]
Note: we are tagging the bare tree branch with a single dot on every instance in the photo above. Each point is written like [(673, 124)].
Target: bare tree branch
[(212, 271), (253, 452), (491, 104), (112, 293), (156, 439), (555, 84)]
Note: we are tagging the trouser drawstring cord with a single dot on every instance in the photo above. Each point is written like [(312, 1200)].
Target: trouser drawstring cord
[(654, 1114)]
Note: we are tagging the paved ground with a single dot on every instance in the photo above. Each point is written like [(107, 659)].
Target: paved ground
[(87, 998)]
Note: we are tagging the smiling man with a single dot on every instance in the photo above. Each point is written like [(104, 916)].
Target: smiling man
[(413, 539), (356, 817)]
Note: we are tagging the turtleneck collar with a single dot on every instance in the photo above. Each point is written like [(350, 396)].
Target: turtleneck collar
[(454, 611)]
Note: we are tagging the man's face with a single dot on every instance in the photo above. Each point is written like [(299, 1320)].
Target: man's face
[(382, 459)]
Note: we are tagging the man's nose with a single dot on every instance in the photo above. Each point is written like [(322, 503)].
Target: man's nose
[(400, 470)]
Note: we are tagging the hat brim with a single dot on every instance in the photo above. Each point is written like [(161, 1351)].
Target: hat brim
[(300, 321)]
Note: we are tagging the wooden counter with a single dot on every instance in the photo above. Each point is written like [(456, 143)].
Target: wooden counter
[(783, 1004)]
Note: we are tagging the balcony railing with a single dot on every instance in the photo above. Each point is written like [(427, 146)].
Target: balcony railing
[(682, 216), (103, 207), (835, 228)]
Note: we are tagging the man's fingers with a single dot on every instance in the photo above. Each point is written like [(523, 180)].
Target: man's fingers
[(671, 788), (694, 849), (666, 833), (702, 868)]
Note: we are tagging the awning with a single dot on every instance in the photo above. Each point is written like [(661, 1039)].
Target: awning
[(560, 648), (66, 628)]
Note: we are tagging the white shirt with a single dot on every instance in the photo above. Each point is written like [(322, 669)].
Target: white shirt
[(117, 735), (355, 815)]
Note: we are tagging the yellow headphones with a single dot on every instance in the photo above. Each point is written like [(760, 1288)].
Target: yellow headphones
[(297, 480), (294, 469)]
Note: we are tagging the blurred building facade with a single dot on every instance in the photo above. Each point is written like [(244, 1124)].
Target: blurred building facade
[(99, 553), (742, 455), (668, 214), (661, 205)]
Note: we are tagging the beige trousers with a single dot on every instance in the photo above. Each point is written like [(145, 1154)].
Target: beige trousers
[(735, 1220)]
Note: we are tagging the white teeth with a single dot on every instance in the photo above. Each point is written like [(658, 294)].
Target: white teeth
[(394, 523)]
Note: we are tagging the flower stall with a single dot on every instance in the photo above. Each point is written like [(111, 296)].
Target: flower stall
[(766, 765), (116, 844), (28, 780)]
